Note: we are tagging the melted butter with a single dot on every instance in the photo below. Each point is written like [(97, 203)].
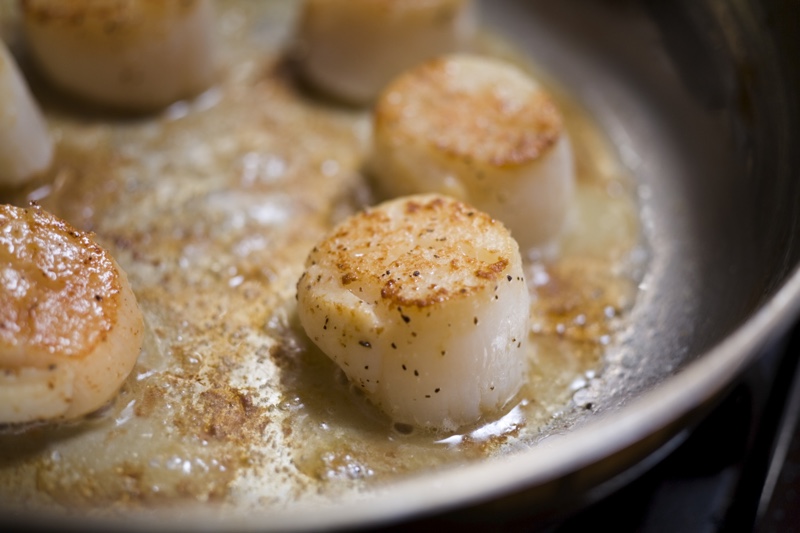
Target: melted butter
[(211, 209)]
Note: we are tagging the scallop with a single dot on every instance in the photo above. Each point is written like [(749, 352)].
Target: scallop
[(129, 54), (422, 303), (26, 147), (352, 48), (483, 131), (70, 327)]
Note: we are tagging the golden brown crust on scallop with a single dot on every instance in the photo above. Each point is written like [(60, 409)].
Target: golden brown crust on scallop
[(420, 251), (58, 288), (488, 121)]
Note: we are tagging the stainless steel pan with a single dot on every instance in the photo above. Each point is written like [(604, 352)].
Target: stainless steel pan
[(700, 99)]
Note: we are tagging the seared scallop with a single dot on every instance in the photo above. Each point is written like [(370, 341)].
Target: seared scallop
[(352, 48), (131, 54), (483, 131), (25, 144), (421, 302), (70, 328)]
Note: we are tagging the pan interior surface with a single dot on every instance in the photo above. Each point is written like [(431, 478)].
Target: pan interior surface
[(690, 121)]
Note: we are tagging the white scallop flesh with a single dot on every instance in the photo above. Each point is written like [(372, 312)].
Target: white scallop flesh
[(26, 147), (130, 54), (422, 303), (483, 131), (353, 48), (70, 327)]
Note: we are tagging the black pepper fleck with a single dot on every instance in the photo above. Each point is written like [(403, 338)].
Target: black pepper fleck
[(405, 318)]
